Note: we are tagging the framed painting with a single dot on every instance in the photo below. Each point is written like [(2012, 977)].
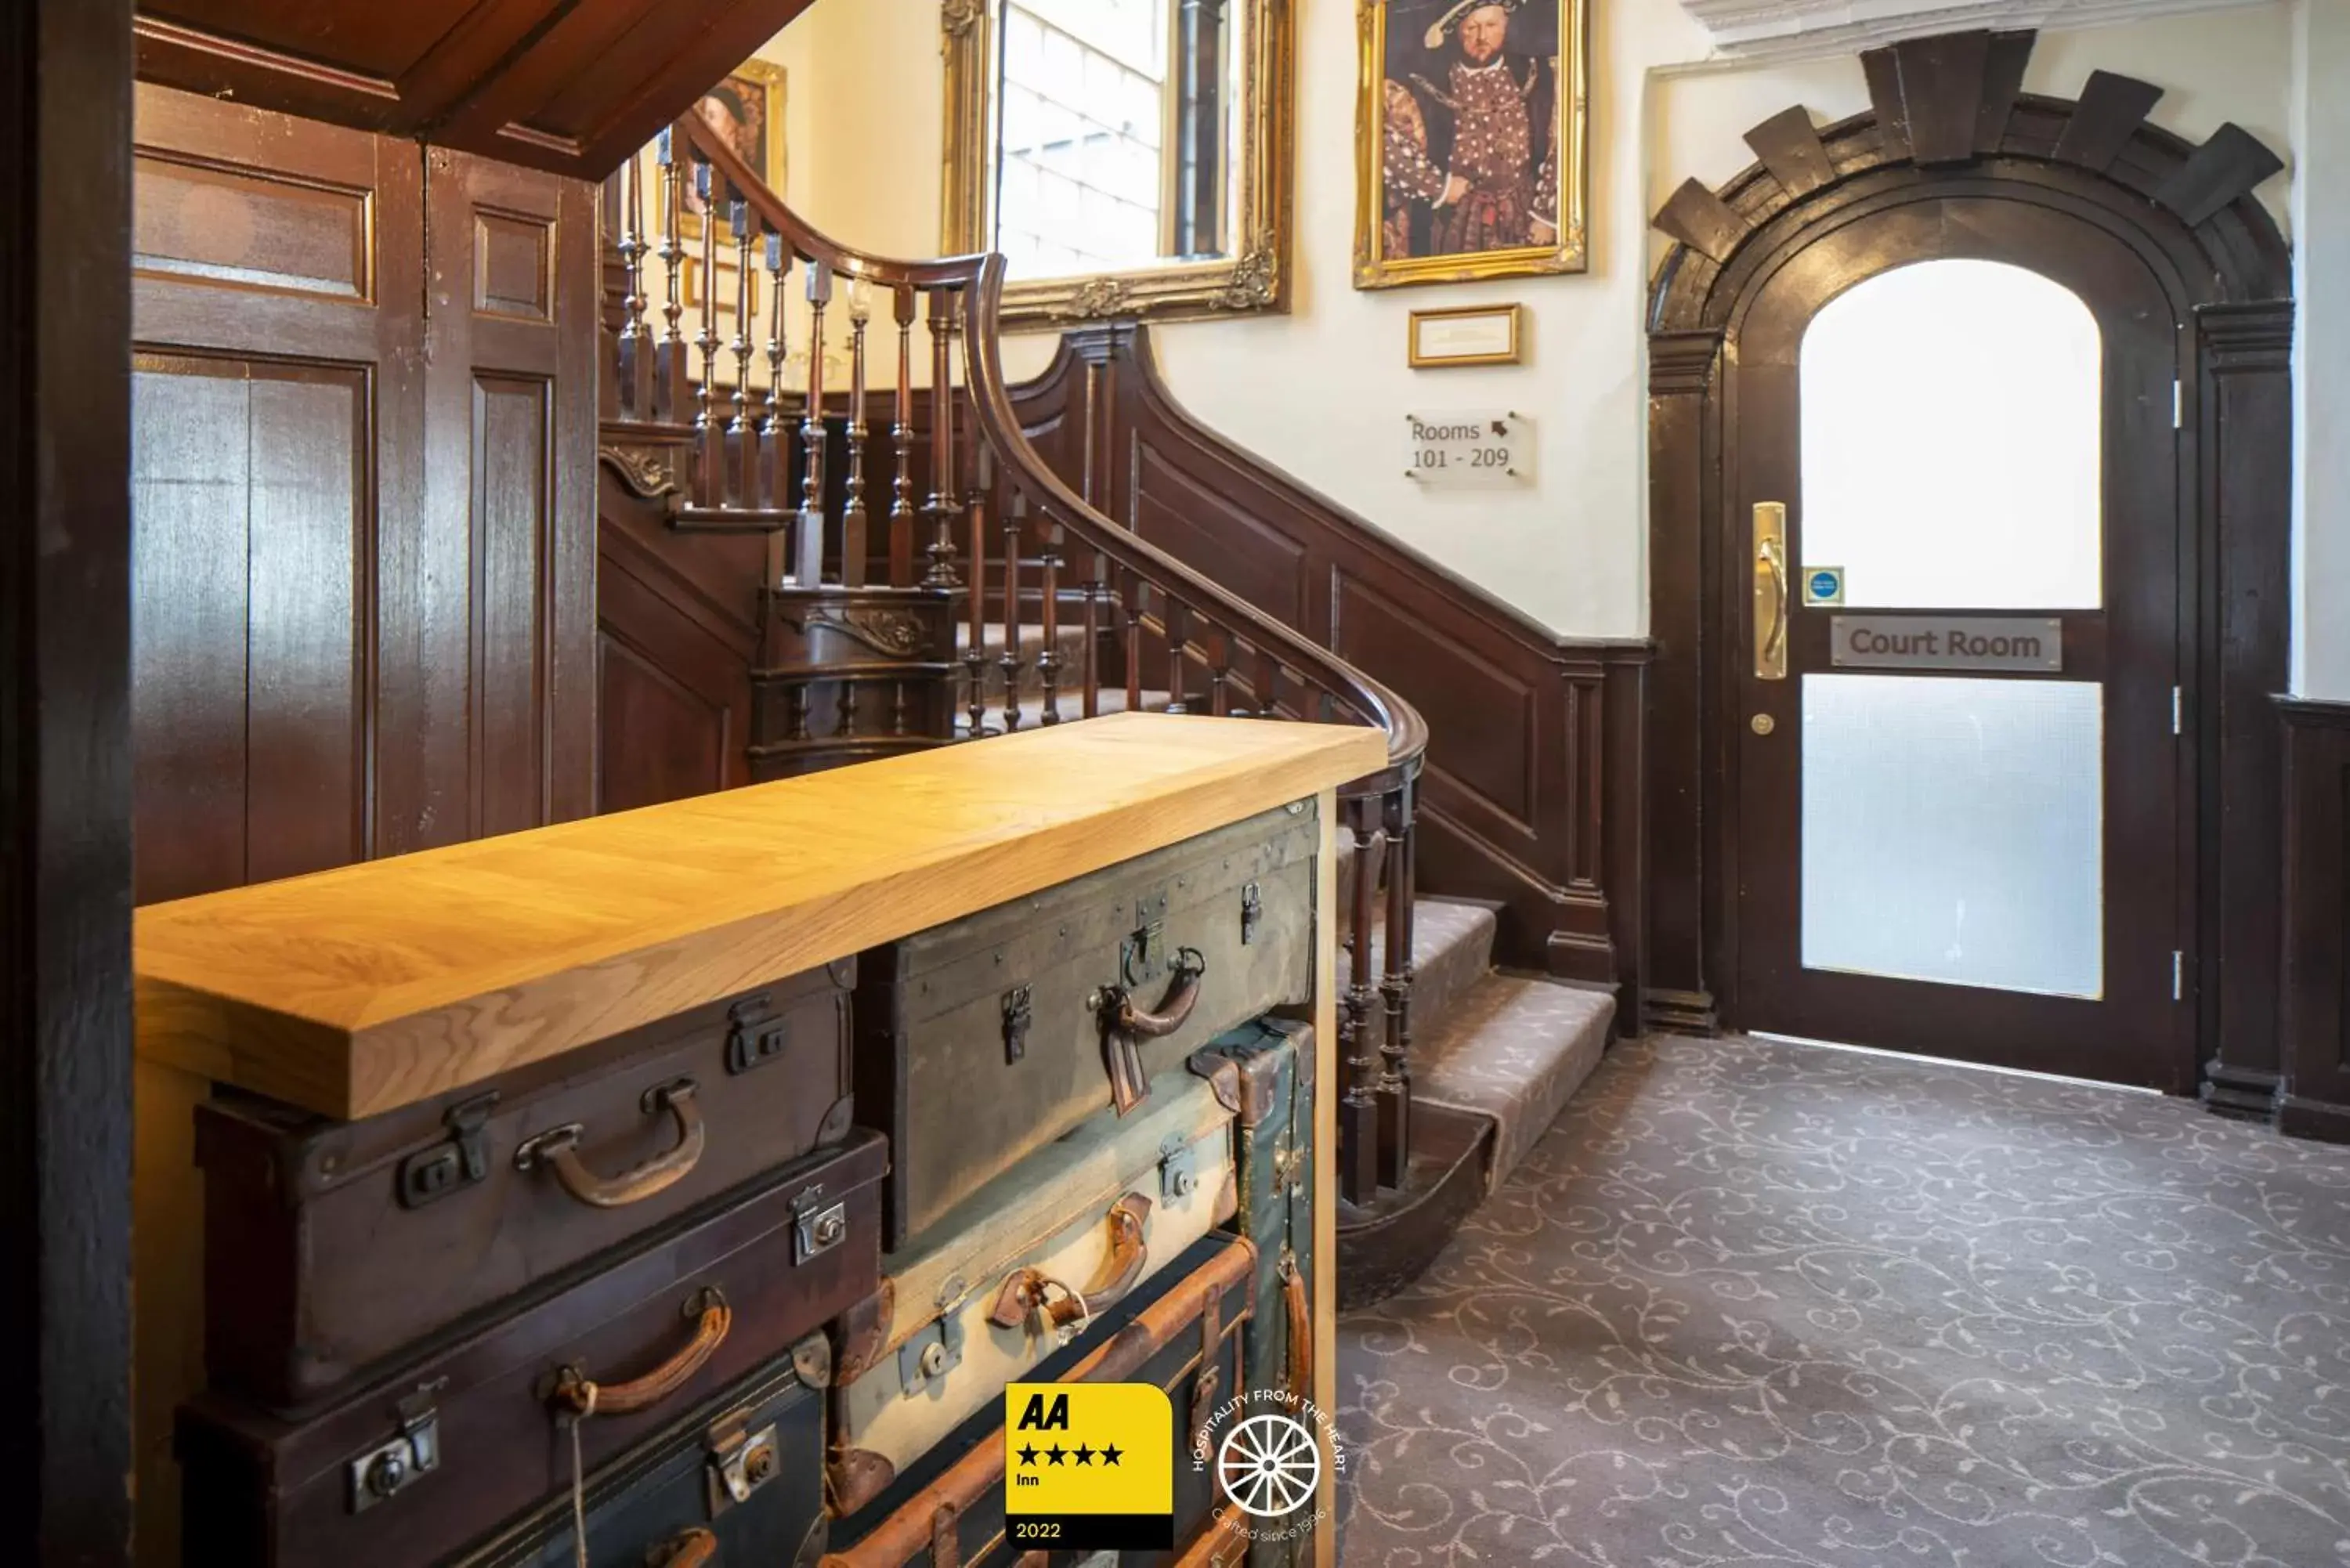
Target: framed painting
[(1470, 126), (747, 111)]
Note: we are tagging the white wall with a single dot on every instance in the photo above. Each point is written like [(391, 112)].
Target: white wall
[(2321, 351), (1319, 392)]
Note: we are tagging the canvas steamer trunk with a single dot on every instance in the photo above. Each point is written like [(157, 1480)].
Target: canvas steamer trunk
[(980, 1041)]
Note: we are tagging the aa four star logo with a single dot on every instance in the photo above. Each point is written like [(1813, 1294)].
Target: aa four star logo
[(1089, 1467)]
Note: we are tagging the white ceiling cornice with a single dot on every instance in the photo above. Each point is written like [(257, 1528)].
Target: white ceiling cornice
[(1767, 29)]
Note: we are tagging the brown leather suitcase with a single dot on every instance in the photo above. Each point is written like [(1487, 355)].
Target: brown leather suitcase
[(738, 1481), (331, 1247), (1183, 1331), (427, 1458), (980, 1041)]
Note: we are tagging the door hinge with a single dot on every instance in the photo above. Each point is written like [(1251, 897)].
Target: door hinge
[(2177, 975), (2177, 404), (2178, 711)]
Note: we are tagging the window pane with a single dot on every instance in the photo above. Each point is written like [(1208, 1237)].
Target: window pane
[(1952, 438), (1083, 93), (1954, 831)]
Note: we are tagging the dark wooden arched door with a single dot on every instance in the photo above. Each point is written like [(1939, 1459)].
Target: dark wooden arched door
[(1953, 654)]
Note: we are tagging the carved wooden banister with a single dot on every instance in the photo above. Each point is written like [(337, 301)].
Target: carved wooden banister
[(1012, 554)]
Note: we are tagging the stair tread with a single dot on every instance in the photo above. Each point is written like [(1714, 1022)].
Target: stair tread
[(1452, 949), (1515, 1049)]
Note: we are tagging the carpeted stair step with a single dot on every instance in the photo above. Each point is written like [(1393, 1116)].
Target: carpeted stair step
[(1070, 644), (1451, 951), (1515, 1049)]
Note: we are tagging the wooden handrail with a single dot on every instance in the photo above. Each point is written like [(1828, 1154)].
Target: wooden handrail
[(740, 475)]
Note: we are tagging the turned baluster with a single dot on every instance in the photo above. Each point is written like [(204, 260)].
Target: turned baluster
[(1048, 659), (636, 337), (942, 506), (774, 429), (1089, 687), (852, 515), (845, 710), (1177, 624), (710, 478), (974, 652), (1266, 682), (1220, 673), (807, 547), (669, 362), (1358, 1106), (898, 698), (901, 441), (743, 431), (1009, 660), (1132, 606), (1395, 977)]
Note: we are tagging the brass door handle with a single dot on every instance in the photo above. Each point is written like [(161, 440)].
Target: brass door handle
[(1770, 590)]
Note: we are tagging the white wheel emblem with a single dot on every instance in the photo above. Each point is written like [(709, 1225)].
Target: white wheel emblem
[(1269, 1465)]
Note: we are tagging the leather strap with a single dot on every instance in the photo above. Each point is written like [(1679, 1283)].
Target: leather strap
[(1124, 1026), (584, 1397), (946, 1537), (1029, 1290), (694, 1549), (1208, 1382), (1301, 1331)]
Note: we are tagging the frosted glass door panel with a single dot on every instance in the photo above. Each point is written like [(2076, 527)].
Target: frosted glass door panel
[(1951, 434), (1954, 831)]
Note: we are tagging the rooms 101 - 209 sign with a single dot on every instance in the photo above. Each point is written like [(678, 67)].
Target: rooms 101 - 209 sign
[(1468, 450)]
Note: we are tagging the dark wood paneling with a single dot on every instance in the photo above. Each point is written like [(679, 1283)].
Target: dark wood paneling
[(677, 634), (2315, 1097), (1531, 794), (571, 86), (64, 790), (239, 226)]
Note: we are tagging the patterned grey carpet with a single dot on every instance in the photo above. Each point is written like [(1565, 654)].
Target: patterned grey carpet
[(1753, 1303)]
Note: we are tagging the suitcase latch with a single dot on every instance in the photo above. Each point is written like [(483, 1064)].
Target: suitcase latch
[(1142, 957), (1019, 1010), (753, 1038), (1251, 913), (936, 1351), (1179, 1175), (383, 1473), (741, 1464), (429, 1175), (818, 1227)]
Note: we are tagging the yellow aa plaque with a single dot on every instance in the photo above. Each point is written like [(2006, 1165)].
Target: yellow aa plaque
[(1089, 1467)]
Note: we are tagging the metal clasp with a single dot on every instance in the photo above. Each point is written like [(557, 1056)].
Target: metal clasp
[(1018, 1012), (817, 1226), (1179, 1175), (754, 1036), (384, 1472), (1251, 913), (740, 1463), (933, 1352), (431, 1174)]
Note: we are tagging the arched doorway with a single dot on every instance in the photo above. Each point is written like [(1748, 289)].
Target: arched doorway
[(1955, 444)]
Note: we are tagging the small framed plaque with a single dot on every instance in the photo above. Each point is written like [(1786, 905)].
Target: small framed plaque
[(1468, 335)]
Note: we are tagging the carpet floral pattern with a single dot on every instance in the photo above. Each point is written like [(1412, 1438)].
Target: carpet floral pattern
[(1749, 1303)]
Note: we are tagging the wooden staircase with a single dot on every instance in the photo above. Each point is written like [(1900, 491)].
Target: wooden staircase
[(924, 576)]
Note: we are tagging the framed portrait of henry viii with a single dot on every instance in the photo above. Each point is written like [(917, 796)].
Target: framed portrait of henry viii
[(1468, 140)]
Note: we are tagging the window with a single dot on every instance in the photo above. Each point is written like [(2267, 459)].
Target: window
[(1083, 94)]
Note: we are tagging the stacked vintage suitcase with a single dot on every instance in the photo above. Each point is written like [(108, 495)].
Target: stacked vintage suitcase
[(746, 1286)]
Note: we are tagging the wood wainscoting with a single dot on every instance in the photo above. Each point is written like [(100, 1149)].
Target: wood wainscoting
[(2313, 1098), (1533, 796)]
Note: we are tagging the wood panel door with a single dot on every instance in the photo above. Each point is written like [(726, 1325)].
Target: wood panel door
[(363, 513), (1958, 787)]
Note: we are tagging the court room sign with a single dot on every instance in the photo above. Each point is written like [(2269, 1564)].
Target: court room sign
[(1991, 643)]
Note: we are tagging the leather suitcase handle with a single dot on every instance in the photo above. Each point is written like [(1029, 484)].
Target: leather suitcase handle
[(1027, 1291), (559, 1147), (694, 1549), (584, 1397), (1175, 1011)]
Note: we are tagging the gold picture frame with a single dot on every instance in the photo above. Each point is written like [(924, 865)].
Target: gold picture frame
[(1253, 276), (754, 89), (1411, 225), (1471, 346)]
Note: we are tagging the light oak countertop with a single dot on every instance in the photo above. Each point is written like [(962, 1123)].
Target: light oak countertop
[(355, 990)]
